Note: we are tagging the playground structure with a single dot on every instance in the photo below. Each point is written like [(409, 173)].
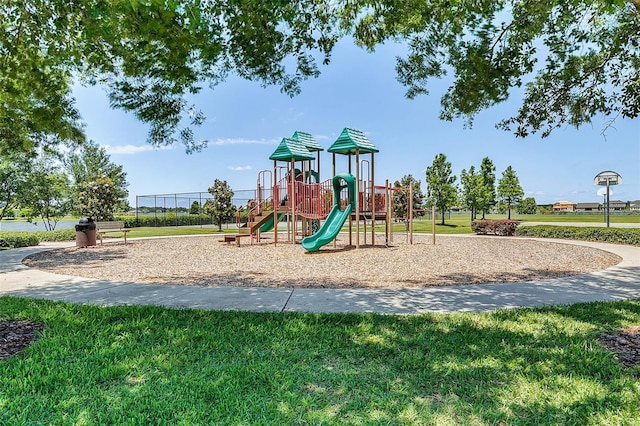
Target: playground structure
[(292, 193)]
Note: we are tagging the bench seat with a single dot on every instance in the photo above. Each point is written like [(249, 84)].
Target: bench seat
[(112, 226)]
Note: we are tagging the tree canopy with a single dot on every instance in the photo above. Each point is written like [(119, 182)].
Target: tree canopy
[(148, 56), (14, 173), (575, 59), (91, 163)]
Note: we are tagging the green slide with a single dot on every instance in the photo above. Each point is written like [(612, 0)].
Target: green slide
[(268, 225), (333, 223)]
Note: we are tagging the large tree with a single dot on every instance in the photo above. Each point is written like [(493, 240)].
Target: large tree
[(441, 189), (509, 190), (220, 206), (576, 59), (90, 164), (49, 193)]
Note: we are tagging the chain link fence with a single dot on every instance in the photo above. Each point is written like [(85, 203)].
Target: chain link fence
[(182, 209)]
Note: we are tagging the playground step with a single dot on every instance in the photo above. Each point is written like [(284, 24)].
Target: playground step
[(229, 238)]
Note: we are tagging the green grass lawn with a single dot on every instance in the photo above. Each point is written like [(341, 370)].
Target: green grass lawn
[(455, 224), (150, 365), (151, 231)]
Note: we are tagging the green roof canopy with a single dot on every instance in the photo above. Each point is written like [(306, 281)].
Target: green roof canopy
[(352, 140), (291, 149), (307, 140)]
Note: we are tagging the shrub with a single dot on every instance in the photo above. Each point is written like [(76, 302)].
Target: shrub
[(495, 227), (629, 236), (159, 221), (57, 235), (18, 239)]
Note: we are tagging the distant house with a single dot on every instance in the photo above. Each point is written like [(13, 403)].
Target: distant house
[(617, 205), (634, 206), (563, 206), (587, 207)]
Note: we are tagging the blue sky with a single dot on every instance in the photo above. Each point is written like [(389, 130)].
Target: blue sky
[(245, 122)]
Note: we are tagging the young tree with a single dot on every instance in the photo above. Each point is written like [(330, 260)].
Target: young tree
[(195, 208), (509, 190), (527, 206), (219, 207), (471, 190), (400, 197), (98, 198), (441, 190), (487, 194)]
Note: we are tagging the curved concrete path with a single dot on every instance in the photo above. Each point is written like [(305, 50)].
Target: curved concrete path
[(619, 282)]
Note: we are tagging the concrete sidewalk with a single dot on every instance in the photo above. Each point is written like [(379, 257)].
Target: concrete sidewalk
[(616, 283)]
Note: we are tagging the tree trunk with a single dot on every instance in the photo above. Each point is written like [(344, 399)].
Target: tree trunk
[(442, 217), (509, 210)]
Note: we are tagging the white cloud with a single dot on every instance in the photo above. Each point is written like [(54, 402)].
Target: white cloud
[(241, 141), (240, 168), (132, 149), (294, 116)]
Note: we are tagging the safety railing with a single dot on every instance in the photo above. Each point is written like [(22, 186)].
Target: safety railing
[(314, 200)]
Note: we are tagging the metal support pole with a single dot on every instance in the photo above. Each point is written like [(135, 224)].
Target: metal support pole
[(410, 207), (357, 199), (373, 201), (433, 224), (386, 213), (608, 210)]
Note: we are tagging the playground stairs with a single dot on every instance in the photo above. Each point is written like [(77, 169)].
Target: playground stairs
[(249, 229)]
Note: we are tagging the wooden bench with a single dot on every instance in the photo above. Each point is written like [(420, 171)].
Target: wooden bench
[(114, 226)]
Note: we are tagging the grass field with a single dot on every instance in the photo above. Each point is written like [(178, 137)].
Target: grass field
[(461, 223), (150, 365), (590, 218), (455, 224)]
